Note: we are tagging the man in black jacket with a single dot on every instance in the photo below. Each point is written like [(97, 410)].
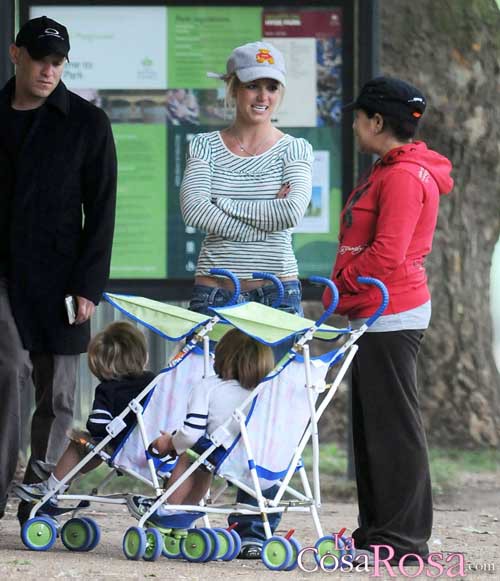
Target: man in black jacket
[(57, 206)]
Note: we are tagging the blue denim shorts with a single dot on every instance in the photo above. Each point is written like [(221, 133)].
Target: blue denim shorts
[(204, 297), (203, 444)]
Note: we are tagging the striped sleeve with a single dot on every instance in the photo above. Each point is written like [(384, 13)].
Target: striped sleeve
[(100, 416), (279, 214), (197, 207), (195, 422)]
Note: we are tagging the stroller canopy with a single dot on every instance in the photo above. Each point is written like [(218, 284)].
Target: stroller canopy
[(272, 326), (266, 324)]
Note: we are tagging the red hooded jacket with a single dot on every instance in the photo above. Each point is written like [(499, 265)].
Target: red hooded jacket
[(386, 231)]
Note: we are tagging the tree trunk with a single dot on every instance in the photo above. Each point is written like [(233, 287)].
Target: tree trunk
[(450, 50)]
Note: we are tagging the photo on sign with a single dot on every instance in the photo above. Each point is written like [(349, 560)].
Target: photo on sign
[(317, 216), (329, 68)]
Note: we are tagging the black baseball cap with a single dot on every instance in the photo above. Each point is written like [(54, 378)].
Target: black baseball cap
[(43, 36), (390, 96)]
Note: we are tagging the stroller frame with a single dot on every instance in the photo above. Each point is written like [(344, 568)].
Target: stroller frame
[(117, 425), (310, 499)]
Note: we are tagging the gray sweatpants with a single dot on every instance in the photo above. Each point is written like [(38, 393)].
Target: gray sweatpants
[(54, 378)]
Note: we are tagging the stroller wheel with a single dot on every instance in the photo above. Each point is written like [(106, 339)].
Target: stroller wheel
[(171, 546), (296, 548), (237, 545), (214, 545), (154, 544), (39, 533), (77, 534), (196, 546), (329, 545), (349, 547), (226, 544), (277, 553), (96, 532), (134, 543)]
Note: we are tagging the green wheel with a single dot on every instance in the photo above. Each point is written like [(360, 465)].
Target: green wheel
[(134, 543), (77, 534), (277, 553), (329, 545), (196, 546), (296, 548), (154, 544), (96, 532), (237, 545), (226, 544), (39, 533), (214, 544), (171, 546)]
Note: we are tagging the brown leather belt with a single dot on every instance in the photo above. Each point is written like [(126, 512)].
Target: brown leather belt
[(245, 284)]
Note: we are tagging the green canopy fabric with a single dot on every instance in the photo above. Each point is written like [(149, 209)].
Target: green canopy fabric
[(169, 321), (270, 325), (266, 324)]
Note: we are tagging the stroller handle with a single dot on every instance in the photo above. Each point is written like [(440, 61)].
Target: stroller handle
[(335, 297), (277, 283), (224, 272), (384, 294)]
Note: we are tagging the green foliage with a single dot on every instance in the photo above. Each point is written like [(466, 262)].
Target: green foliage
[(448, 464), (463, 19), (118, 484), (332, 460)]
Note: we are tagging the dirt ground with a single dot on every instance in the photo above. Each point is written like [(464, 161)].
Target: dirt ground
[(467, 522)]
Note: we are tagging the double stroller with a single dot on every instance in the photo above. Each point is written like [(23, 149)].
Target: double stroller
[(276, 422)]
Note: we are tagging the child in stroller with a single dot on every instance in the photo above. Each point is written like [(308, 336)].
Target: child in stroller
[(117, 356), (240, 364)]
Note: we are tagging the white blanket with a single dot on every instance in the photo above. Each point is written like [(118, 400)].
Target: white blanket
[(275, 425), (165, 411)]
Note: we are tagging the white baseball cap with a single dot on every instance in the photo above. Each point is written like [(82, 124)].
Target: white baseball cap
[(255, 60)]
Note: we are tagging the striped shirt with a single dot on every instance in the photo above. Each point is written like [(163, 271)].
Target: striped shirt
[(233, 199), (211, 402)]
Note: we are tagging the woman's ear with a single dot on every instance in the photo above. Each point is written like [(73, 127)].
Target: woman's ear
[(378, 122)]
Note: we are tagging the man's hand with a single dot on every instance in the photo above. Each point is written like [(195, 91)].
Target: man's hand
[(86, 309)]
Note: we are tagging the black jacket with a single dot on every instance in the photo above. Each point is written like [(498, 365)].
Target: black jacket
[(58, 206), (110, 399)]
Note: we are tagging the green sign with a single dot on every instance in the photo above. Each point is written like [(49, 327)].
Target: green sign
[(139, 246), (200, 40)]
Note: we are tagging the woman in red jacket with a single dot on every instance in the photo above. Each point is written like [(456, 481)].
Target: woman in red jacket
[(386, 232)]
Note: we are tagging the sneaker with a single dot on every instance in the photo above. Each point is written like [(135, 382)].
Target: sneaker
[(250, 551), (31, 492), (139, 505)]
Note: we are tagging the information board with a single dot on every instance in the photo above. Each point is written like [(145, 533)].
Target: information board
[(146, 67)]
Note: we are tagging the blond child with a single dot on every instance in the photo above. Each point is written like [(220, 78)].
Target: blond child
[(117, 356), (240, 364)]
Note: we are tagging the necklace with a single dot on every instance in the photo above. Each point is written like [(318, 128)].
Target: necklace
[(257, 149)]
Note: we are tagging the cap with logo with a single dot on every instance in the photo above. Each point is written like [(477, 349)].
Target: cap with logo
[(390, 96), (43, 36), (255, 60)]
